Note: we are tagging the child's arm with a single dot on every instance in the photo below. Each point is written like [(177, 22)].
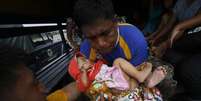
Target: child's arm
[(84, 78), (132, 71)]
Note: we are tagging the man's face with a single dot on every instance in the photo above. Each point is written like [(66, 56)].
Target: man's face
[(102, 35), (28, 88)]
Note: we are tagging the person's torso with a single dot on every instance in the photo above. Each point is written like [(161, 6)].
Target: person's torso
[(125, 47), (184, 10)]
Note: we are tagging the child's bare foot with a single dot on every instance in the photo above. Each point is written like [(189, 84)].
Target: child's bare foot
[(156, 77)]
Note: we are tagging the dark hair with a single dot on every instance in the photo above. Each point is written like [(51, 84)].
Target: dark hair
[(88, 11), (10, 61)]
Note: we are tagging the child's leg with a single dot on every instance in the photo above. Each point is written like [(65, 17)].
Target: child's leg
[(129, 69), (125, 76), (132, 82), (156, 77)]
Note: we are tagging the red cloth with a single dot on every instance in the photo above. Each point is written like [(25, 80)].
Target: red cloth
[(75, 72)]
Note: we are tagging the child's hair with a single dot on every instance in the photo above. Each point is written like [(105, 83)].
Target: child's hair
[(88, 11)]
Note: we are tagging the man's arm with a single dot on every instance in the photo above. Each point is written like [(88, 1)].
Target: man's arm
[(193, 22), (159, 29), (71, 91), (181, 27), (166, 29), (67, 93), (164, 21)]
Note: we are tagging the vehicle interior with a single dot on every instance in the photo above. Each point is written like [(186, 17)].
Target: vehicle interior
[(39, 28)]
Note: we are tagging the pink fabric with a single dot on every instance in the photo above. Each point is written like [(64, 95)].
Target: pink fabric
[(113, 78)]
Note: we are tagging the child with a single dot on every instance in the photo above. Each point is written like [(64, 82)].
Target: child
[(120, 77)]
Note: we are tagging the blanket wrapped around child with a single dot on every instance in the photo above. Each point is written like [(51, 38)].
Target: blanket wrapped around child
[(140, 93)]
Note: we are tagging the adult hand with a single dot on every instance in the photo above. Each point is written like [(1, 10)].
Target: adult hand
[(176, 34), (149, 40), (159, 51), (150, 37), (154, 42)]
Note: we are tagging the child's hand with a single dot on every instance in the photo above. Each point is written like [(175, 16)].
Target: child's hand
[(86, 66), (143, 65)]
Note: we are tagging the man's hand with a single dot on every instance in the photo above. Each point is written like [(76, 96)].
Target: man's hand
[(151, 36), (176, 34), (160, 50), (154, 41)]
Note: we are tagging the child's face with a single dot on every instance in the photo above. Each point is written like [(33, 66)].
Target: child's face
[(83, 63)]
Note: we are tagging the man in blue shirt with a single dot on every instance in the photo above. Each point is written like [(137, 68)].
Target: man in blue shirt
[(104, 37)]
